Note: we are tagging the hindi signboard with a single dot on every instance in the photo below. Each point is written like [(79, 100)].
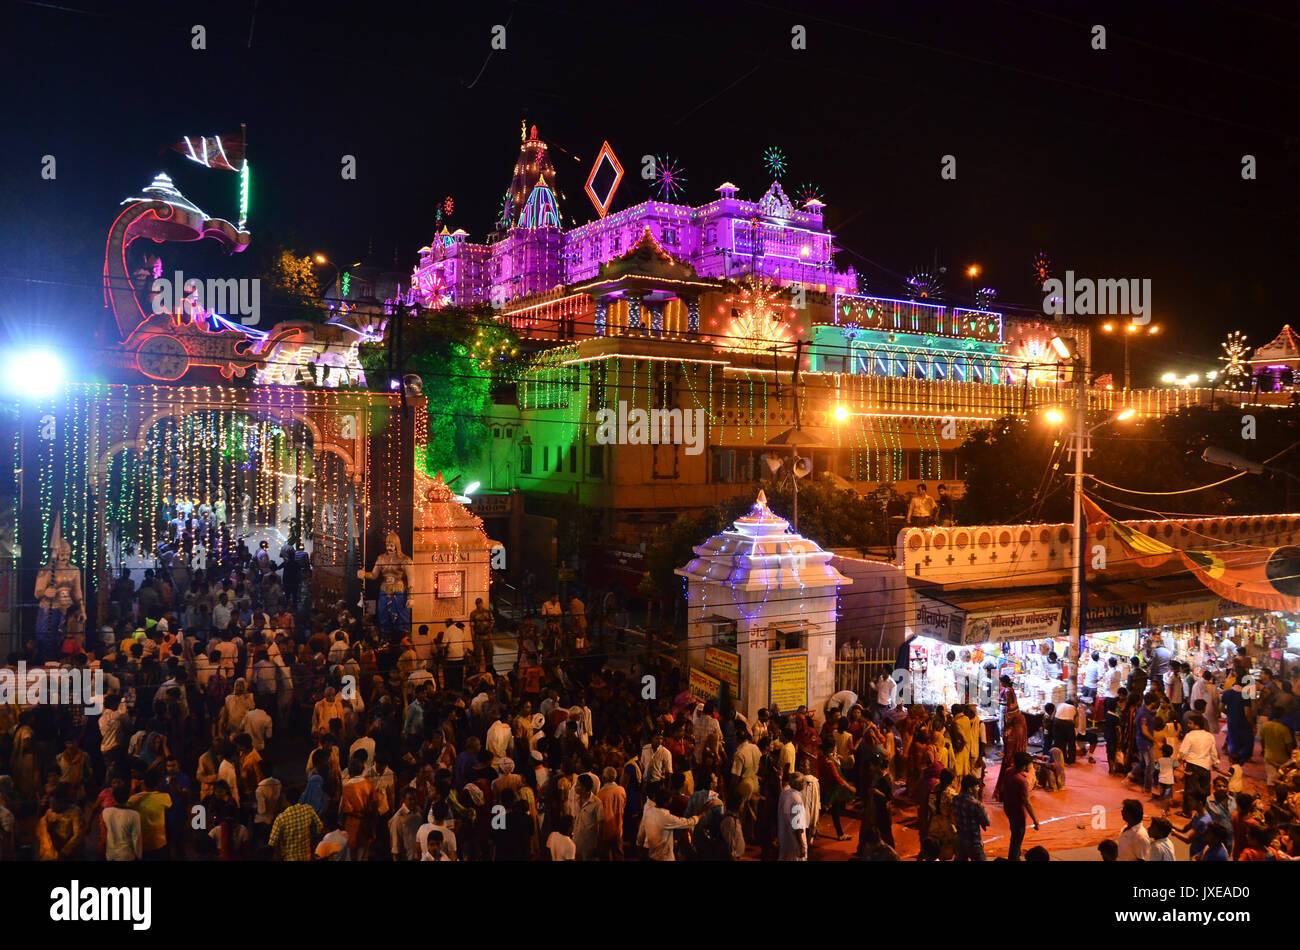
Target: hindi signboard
[(724, 665), (705, 687), (787, 686)]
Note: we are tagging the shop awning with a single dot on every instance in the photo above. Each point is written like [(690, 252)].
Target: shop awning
[(1031, 613)]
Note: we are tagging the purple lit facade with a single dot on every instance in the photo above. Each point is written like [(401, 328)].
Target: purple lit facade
[(719, 240)]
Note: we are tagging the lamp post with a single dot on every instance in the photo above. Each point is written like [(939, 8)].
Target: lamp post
[(338, 276), (1129, 330), (1081, 444)]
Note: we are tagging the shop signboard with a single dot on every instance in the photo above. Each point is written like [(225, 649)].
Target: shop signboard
[(723, 665), (1104, 618), (705, 687), (787, 679), (1005, 625), (1189, 610), (946, 623), (939, 621)]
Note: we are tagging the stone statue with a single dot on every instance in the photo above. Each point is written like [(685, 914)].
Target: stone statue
[(397, 578), (58, 588)]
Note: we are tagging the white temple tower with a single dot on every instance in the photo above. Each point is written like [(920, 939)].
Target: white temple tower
[(761, 610)]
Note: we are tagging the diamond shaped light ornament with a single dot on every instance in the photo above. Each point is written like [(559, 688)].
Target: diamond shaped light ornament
[(606, 164)]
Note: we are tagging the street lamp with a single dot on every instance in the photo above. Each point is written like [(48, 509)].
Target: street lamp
[(1080, 445), (338, 276), (1129, 330), (1173, 379), (972, 272)]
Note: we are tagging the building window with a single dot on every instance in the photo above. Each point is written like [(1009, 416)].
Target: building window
[(546, 458), (596, 461), (665, 461), (670, 235), (573, 459), (525, 460)]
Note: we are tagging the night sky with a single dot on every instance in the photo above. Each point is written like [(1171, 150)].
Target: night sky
[(1117, 163)]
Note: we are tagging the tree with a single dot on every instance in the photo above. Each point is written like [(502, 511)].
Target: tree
[(1018, 470), (290, 288), (459, 354)]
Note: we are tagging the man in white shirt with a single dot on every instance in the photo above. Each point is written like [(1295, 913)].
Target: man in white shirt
[(422, 642), (1112, 679), (656, 761), (792, 820), (1134, 843), (257, 723), (1063, 725), (500, 736), (121, 828), (703, 724), (586, 824), (1206, 689), (1200, 754), (1091, 677), (655, 833), (843, 701), (744, 767), (438, 823), (221, 615), (404, 827), (455, 642)]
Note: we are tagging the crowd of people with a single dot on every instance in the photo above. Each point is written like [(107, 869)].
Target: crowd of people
[(241, 721)]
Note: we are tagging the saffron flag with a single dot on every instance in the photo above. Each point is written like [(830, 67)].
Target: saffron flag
[(1267, 578), (213, 151)]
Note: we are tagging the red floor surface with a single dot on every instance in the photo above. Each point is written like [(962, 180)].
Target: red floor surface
[(1071, 821)]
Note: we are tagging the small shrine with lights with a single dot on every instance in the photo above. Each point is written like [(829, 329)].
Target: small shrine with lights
[(452, 555), (761, 610)]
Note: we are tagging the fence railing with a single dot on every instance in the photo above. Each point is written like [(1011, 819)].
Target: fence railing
[(859, 674)]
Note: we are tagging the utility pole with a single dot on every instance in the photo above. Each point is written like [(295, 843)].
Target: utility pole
[(794, 461), (1078, 588)]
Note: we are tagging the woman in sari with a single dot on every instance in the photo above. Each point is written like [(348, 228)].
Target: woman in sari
[(1015, 739), (943, 820), (919, 757), (1126, 741)]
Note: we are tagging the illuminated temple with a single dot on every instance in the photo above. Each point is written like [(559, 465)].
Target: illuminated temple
[(671, 306)]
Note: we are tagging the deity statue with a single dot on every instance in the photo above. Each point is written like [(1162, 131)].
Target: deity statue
[(58, 588), (398, 577)]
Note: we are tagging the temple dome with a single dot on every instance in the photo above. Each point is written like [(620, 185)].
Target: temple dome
[(760, 552)]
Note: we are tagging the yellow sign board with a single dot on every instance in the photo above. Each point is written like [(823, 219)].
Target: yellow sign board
[(787, 680), (725, 665), (705, 687)]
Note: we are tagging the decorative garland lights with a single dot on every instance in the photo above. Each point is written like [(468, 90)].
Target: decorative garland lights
[(113, 462)]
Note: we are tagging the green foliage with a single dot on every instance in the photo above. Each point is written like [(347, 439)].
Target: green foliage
[(1004, 466), (459, 354), (290, 290)]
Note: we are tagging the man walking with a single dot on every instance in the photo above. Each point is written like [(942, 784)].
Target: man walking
[(1015, 801), (971, 820), (1199, 754)]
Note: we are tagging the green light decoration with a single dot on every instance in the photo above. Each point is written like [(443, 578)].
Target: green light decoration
[(774, 161), (243, 195), (345, 283)]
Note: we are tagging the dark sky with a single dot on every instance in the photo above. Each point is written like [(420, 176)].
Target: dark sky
[(1118, 163)]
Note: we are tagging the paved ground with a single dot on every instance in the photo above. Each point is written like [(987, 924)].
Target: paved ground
[(1071, 821)]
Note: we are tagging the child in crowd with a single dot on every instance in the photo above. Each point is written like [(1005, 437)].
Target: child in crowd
[(1165, 767)]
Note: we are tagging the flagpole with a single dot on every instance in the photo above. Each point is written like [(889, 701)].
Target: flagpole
[(243, 179)]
